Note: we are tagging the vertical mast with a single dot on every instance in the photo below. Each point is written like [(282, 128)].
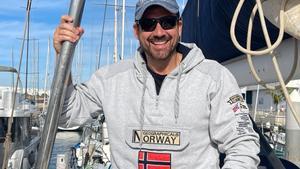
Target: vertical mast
[(116, 33), (107, 58), (46, 74), (32, 79), (102, 31), (38, 68), (28, 8), (123, 26), (12, 65), (131, 53)]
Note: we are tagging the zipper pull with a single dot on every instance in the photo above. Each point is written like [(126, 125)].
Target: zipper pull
[(156, 102)]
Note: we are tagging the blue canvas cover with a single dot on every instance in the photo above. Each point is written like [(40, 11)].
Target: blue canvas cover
[(207, 23)]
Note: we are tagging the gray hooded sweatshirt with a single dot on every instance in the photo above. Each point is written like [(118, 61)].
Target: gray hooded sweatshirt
[(198, 113)]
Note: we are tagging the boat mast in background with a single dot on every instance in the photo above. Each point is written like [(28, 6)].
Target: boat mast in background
[(116, 33), (28, 8), (123, 27), (12, 65), (46, 76)]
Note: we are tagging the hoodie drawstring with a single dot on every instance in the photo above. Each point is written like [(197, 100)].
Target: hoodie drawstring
[(177, 94), (142, 107)]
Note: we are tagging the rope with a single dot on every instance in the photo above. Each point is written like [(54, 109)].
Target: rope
[(249, 57), (263, 23), (270, 48)]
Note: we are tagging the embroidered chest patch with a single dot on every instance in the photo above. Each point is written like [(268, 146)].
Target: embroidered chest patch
[(152, 160), (156, 137)]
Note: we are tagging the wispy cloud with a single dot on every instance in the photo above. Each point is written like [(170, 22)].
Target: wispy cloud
[(11, 29)]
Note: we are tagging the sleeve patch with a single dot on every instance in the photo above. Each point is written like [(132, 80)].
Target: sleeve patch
[(235, 98), (243, 124), (238, 103), (239, 108)]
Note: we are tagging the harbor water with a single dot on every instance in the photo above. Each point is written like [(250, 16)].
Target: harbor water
[(63, 142)]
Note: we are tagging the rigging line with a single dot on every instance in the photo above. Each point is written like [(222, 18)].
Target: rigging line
[(102, 31), (27, 45), (112, 5), (10, 119)]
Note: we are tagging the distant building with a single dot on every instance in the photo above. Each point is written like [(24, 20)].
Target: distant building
[(266, 110)]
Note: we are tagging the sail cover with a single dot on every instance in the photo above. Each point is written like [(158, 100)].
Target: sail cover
[(207, 23)]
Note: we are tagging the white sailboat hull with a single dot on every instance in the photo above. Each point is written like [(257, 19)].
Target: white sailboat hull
[(264, 67)]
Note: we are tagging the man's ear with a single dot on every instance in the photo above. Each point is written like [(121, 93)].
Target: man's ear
[(180, 26), (136, 30)]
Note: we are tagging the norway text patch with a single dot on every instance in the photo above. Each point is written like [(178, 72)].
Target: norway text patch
[(156, 137)]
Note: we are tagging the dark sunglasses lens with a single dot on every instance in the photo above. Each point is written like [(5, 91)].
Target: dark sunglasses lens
[(148, 25), (168, 22)]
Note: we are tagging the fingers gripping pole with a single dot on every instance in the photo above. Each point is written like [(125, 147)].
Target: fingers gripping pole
[(58, 90)]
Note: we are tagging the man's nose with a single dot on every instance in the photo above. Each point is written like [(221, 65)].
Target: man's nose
[(158, 31)]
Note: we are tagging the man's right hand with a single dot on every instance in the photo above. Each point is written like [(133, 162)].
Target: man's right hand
[(66, 31)]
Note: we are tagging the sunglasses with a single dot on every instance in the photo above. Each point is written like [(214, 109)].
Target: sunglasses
[(149, 24)]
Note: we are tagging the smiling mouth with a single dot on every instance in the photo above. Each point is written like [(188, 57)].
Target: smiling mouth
[(159, 42)]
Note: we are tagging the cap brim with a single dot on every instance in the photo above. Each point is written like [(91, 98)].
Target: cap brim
[(167, 6)]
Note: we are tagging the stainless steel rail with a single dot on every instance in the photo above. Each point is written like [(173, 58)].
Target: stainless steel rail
[(58, 90)]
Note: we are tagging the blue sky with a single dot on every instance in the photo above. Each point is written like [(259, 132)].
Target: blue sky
[(45, 15)]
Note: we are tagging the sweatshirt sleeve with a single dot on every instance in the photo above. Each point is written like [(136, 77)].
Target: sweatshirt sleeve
[(83, 102), (230, 126)]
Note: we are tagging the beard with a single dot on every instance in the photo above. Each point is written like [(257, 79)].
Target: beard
[(160, 54)]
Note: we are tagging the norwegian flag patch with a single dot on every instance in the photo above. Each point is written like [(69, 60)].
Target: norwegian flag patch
[(152, 160), (236, 107)]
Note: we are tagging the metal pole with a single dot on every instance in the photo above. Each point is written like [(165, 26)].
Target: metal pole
[(58, 90)]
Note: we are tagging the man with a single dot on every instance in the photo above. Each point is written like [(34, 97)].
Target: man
[(169, 107)]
